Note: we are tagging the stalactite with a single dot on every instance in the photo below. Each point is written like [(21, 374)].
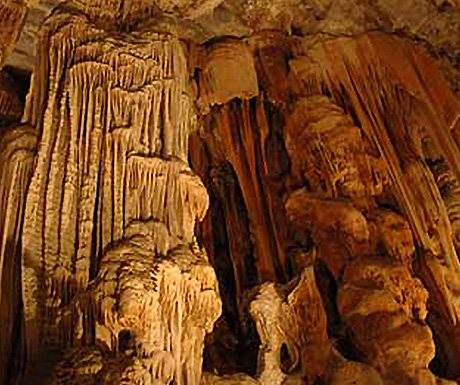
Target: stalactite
[(379, 301), (219, 82), (238, 129)]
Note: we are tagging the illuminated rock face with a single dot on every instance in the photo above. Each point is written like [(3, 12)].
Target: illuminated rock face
[(151, 309), (330, 170), (335, 149), (108, 246), (118, 156)]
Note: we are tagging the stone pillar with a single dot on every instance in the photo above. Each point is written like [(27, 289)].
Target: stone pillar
[(109, 252)]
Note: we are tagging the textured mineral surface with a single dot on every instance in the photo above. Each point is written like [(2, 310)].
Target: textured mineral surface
[(225, 192)]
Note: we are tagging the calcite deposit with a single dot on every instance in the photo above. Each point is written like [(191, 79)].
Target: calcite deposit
[(12, 15), (224, 192)]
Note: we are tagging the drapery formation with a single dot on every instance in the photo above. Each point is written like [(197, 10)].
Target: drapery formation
[(331, 170), (112, 192), (369, 138)]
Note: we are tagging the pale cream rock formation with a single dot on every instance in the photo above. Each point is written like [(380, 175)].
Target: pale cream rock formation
[(124, 106), (266, 312), (292, 323), (109, 251), (292, 318), (153, 309)]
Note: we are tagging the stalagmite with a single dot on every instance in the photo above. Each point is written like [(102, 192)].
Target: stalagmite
[(154, 304), (355, 156), (294, 345), (379, 301)]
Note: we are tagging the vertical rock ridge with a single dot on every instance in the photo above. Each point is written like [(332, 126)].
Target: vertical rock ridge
[(17, 149), (114, 113)]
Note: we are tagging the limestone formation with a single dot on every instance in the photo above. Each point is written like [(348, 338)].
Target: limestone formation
[(104, 171), (229, 192), (228, 72), (12, 15), (294, 326), (339, 163), (17, 147), (355, 156), (112, 204), (151, 308)]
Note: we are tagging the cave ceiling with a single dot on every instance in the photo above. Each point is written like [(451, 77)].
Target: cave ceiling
[(435, 23)]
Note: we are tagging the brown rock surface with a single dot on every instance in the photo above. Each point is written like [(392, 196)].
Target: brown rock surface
[(11, 105), (328, 157), (17, 147), (12, 15)]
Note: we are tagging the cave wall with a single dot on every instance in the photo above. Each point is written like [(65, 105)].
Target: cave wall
[(341, 120)]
